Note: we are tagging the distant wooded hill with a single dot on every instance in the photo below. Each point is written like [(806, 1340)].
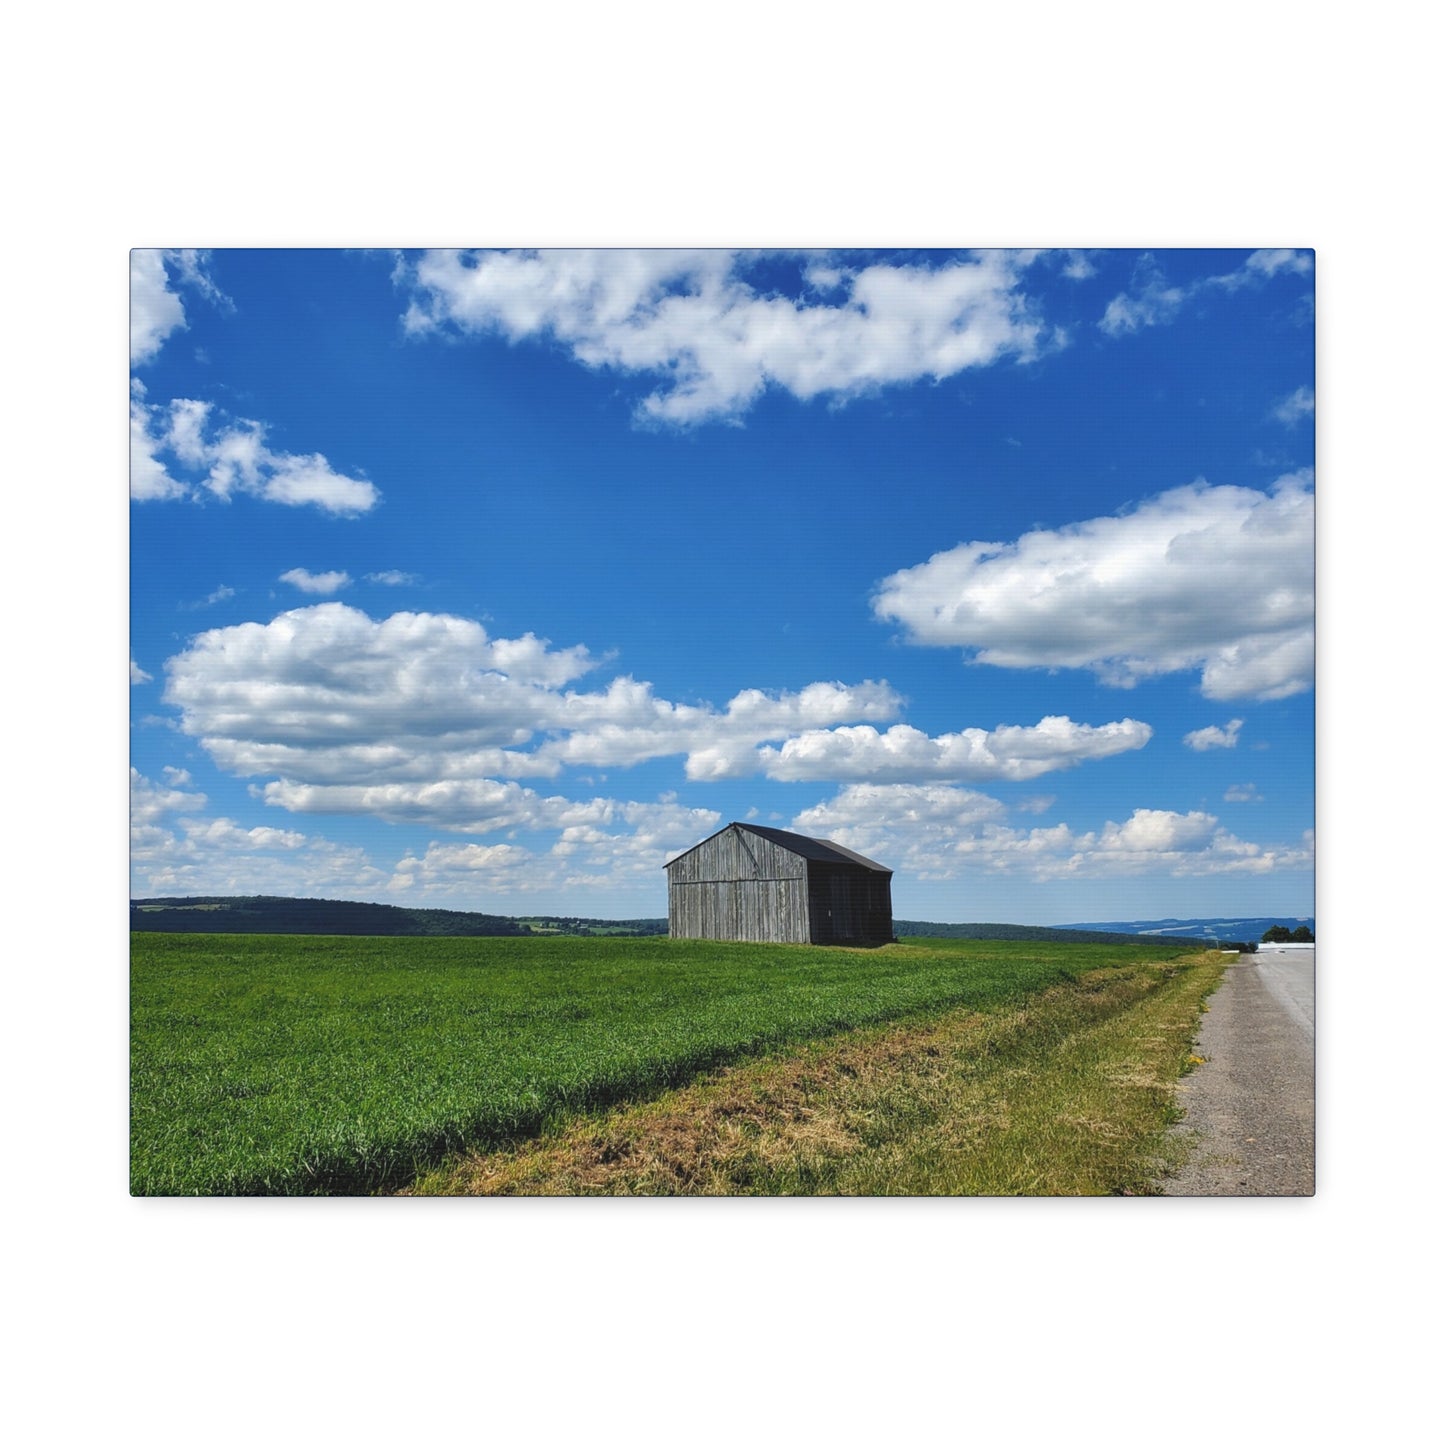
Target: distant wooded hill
[(264, 914), (1205, 928), (310, 915)]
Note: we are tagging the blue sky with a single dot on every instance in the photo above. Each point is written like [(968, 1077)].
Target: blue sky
[(493, 580)]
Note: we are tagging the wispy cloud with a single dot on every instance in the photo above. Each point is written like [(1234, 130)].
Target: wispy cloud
[(1298, 404), (1215, 578), (222, 593), (1152, 301), (393, 578), (1038, 805), (137, 675), (705, 322)]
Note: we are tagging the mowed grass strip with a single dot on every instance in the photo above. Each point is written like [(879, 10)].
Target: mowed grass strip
[(1070, 1094), (294, 1065)]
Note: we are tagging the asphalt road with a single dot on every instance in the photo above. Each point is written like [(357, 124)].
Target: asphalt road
[(1252, 1104)]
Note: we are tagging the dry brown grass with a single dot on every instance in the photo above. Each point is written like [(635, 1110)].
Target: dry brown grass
[(1068, 1094)]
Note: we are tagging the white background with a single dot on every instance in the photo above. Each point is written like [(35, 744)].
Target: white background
[(1113, 124)]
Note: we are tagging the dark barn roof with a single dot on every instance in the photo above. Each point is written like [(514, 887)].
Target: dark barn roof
[(816, 850)]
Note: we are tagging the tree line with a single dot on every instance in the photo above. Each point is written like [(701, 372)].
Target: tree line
[(1279, 933)]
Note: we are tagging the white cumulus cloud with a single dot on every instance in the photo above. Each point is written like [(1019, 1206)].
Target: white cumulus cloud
[(601, 845), (702, 322), (156, 310), (149, 479), (1215, 578), (420, 715), (936, 832), (627, 724), (426, 720), (1203, 739), (225, 458), (321, 583), (617, 846), (906, 754), (150, 801), (174, 852)]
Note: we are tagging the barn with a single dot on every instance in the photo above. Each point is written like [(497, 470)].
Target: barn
[(762, 885)]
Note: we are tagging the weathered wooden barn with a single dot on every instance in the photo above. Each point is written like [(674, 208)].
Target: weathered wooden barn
[(762, 885)]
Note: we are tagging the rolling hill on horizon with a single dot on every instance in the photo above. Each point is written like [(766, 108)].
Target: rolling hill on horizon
[(1207, 928), (268, 914)]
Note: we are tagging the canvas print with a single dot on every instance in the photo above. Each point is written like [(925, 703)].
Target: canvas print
[(722, 722)]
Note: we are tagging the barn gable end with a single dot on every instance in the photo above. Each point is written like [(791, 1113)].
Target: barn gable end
[(763, 885)]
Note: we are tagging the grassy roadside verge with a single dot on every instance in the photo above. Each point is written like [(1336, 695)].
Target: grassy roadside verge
[(1069, 1093)]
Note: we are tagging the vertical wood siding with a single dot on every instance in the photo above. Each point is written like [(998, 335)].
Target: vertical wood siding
[(733, 855), (737, 886), (773, 910)]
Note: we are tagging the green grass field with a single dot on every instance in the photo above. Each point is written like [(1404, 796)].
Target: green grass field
[(305, 1065)]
